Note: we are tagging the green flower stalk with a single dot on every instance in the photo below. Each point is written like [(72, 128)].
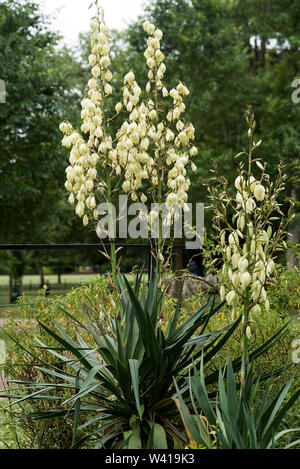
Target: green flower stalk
[(246, 236)]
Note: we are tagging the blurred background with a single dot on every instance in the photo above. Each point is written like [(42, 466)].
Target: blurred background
[(227, 52)]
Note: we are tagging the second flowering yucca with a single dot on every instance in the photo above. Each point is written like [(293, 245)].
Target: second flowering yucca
[(246, 236)]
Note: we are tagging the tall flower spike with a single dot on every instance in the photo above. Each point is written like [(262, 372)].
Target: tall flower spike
[(248, 245), (82, 174), (145, 130)]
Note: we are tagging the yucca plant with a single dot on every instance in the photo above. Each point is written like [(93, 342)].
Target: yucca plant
[(246, 420), (125, 378)]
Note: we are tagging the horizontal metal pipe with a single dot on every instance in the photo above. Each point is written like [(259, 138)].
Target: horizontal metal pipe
[(15, 247)]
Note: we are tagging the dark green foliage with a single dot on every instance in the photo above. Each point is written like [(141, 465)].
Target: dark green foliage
[(247, 420), (40, 90)]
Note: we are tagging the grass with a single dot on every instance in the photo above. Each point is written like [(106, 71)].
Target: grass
[(65, 279), (31, 286)]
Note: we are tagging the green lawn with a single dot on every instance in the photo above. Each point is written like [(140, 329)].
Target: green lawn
[(53, 279), (31, 286)]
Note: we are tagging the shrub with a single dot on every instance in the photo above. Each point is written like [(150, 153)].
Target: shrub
[(22, 357)]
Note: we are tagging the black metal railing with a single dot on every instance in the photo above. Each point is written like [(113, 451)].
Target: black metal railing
[(148, 258)]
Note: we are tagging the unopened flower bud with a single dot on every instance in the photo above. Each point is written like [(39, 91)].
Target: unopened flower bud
[(231, 297), (245, 279), (119, 108), (267, 305), (235, 280), (222, 293), (108, 89), (259, 192), (94, 24), (235, 259), (241, 222), (243, 265), (253, 183), (228, 253), (250, 205), (239, 183), (92, 60), (233, 239)]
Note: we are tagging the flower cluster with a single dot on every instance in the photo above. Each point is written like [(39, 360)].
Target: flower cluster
[(147, 145), (247, 264), (148, 156), (249, 242), (82, 174), (152, 144)]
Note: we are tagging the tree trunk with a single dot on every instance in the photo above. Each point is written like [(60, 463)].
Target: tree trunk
[(10, 286), (40, 270), (294, 230)]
